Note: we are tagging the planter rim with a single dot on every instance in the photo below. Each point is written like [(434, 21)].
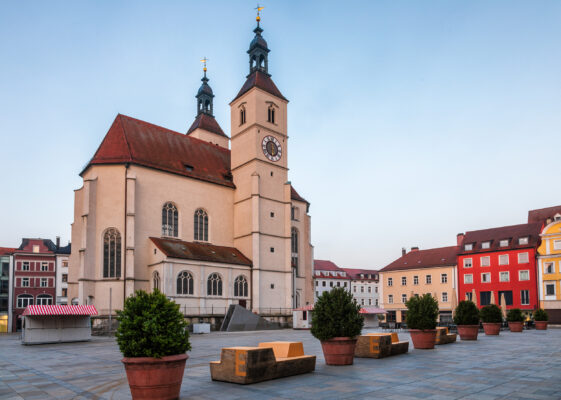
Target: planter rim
[(339, 338), (471, 325), (153, 360), (537, 320), (422, 330), (515, 322), (492, 323)]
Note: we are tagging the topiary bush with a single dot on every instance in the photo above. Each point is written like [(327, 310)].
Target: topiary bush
[(491, 313), (514, 315), (422, 312), (150, 325), (541, 315), (466, 313), (336, 314)]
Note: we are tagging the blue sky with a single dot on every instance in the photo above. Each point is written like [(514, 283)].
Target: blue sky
[(409, 121)]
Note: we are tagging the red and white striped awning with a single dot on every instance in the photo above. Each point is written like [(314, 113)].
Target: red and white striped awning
[(308, 307), (60, 310), (372, 310)]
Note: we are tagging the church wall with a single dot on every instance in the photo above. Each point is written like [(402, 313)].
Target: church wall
[(210, 137)]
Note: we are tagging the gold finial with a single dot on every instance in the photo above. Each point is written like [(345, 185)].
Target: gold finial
[(258, 8), (204, 60)]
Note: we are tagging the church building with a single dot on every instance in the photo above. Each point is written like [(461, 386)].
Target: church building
[(209, 220)]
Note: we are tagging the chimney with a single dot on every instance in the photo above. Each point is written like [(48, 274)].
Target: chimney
[(57, 242), (416, 248), (403, 251), (459, 238)]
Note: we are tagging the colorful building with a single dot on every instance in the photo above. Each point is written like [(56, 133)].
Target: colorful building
[(5, 288), (416, 273), (500, 261)]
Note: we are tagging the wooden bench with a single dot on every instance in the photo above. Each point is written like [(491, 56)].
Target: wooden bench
[(270, 360), (380, 345), (443, 336)]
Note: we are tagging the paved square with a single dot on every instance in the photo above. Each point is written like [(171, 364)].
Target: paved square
[(512, 366)]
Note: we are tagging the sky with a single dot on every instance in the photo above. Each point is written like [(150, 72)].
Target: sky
[(409, 121)]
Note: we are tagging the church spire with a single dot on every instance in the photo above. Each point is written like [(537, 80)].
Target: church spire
[(204, 95), (258, 50)]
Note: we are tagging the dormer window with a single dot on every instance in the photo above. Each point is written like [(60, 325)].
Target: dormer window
[(468, 247), (557, 217), (523, 240), (503, 243), (188, 167), (485, 245)]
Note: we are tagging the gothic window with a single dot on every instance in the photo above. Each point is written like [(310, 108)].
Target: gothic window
[(24, 300), (44, 300), (169, 220), (156, 280), (201, 225), (240, 286), (112, 254), (184, 283), (294, 247), (242, 115), (271, 114), (214, 285)]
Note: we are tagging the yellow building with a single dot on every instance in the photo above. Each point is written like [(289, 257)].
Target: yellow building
[(416, 273), (549, 268)]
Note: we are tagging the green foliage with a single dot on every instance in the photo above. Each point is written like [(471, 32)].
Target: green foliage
[(150, 325), (514, 315), (541, 315), (381, 317), (336, 314), (422, 312), (466, 313), (491, 313)]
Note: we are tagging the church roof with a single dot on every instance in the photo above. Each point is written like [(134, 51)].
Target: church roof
[(130, 140), (208, 123), (261, 80), (295, 196), (176, 248)]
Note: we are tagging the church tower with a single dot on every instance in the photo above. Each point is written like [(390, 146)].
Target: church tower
[(262, 200)]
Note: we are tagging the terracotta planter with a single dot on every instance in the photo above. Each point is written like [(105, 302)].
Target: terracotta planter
[(541, 325), (492, 328), (468, 332), (423, 338), (339, 350), (515, 326), (155, 378)]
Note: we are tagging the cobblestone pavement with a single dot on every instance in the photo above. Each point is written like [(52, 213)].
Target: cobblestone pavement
[(512, 366)]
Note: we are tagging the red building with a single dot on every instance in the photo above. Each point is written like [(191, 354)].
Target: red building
[(500, 261), (34, 276)]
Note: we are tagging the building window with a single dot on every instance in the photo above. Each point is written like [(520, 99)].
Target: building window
[(485, 245), (444, 297), (375, 289), (156, 280), (468, 278), (485, 261), (240, 286), (214, 285), (25, 266), (550, 289), (65, 264), (549, 268), (557, 245), (523, 240), (362, 302), (317, 293), (467, 263), (169, 220), (444, 278), (504, 276), (24, 300), (201, 225), (507, 295), (485, 277), (185, 283), (468, 247), (64, 277), (344, 284), (485, 298), (428, 279), (503, 243), (503, 259), (354, 289), (390, 299), (44, 300), (361, 289), (525, 297), (317, 283), (331, 283), (323, 283), (294, 213), (294, 247), (36, 248), (390, 282), (416, 280), (404, 298), (44, 266), (271, 114), (369, 302), (403, 281), (524, 275), (338, 284), (369, 289), (64, 292), (523, 258), (376, 302), (24, 282), (242, 115), (469, 296), (44, 282), (112, 253)]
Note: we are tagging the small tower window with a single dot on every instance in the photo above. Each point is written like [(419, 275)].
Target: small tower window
[(242, 115), (271, 115)]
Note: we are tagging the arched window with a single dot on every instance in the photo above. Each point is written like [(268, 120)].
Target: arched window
[(262, 61), (156, 280), (242, 115), (201, 225), (214, 285), (294, 247), (24, 300), (240, 286), (112, 254), (184, 283), (169, 220), (271, 114), (207, 106), (44, 300), (75, 301)]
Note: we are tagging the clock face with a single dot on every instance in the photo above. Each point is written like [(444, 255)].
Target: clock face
[(272, 148)]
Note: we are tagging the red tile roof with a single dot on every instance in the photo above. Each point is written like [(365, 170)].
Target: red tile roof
[(325, 265), (208, 123), (542, 214), (5, 251), (354, 273), (130, 140), (262, 81), (175, 248), (495, 235), (439, 257), (295, 196)]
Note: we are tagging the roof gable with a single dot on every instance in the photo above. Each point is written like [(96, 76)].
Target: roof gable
[(207, 123)]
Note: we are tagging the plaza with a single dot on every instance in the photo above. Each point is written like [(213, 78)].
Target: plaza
[(511, 366)]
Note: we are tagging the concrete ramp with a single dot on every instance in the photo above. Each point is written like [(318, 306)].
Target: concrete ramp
[(238, 319)]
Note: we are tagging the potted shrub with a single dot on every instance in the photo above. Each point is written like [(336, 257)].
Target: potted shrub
[(153, 337), (466, 317), (336, 321), (492, 317), (422, 312), (515, 320), (540, 319)]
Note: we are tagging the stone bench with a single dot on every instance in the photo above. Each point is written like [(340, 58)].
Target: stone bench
[(380, 345), (443, 336), (270, 360)]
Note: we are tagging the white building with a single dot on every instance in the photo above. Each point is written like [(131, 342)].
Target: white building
[(364, 286), (328, 275), (62, 257)]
